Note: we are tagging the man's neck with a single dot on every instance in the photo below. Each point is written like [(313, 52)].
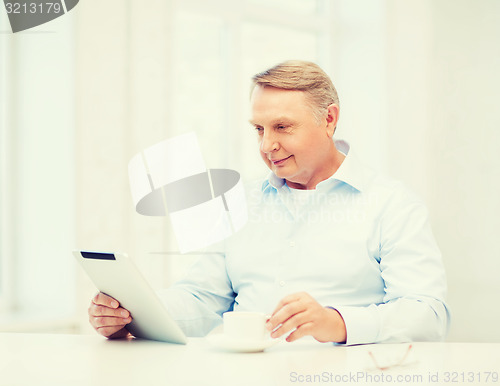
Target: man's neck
[(331, 166)]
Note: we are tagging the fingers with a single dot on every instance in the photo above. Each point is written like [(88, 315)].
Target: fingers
[(95, 310), (288, 313), (110, 333), (286, 300), (104, 322), (104, 305), (302, 330), (105, 300), (294, 321), (107, 317), (300, 314), (108, 325)]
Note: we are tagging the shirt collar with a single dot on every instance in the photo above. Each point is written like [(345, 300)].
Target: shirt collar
[(351, 172)]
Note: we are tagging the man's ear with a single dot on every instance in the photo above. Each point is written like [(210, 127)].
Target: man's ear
[(332, 118)]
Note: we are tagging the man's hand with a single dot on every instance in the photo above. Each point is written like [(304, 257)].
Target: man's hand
[(107, 317), (301, 312)]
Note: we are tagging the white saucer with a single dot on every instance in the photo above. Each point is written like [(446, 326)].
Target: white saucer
[(223, 342)]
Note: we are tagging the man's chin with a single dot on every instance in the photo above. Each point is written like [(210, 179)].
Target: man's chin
[(280, 173)]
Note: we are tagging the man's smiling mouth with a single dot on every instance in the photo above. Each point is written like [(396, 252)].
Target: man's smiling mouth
[(280, 161)]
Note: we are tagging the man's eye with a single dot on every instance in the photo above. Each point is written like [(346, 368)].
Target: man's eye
[(258, 129)]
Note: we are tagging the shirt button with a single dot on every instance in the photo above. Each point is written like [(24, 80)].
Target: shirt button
[(282, 283), (292, 244)]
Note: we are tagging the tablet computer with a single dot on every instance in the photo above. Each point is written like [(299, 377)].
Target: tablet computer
[(116, 275)]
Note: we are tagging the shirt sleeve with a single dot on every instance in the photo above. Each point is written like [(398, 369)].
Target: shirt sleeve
[(197, 301), (410, 262)]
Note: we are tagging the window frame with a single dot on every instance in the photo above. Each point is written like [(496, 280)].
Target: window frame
[(6, 224)]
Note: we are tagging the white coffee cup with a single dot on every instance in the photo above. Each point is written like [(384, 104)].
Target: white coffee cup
[(245, 325)]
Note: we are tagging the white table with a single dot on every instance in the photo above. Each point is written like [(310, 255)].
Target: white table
[(45, 359)]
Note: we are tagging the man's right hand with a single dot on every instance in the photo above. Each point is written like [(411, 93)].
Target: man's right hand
[(107, 317)]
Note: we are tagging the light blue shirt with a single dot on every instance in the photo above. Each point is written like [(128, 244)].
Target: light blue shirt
[(360, 243)]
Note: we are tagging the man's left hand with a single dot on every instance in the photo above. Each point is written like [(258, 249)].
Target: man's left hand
[(304, 314)]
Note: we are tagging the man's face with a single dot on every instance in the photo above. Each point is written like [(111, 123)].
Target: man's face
[(291, 141)]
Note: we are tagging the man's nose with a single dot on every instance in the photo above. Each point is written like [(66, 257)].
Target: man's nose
[(268, 143)]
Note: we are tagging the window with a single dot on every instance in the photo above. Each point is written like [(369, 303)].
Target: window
[(217, 48), (36, 172)]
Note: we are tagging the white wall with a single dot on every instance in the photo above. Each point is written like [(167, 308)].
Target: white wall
[(465, 162), (443, 138)]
